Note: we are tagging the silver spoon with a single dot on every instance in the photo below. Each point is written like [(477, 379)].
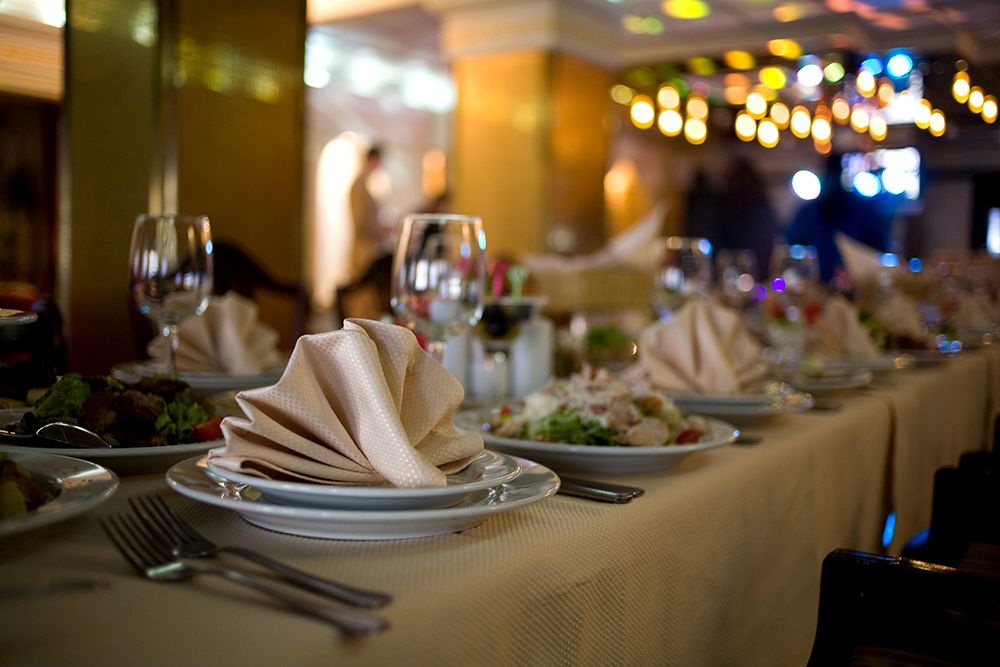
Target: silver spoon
[(71, 434)]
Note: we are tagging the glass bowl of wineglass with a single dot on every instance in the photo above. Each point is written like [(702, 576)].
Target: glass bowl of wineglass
[(683, 270), (439, 276), (170, 271)]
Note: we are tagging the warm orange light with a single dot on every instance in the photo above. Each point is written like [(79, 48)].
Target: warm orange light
[(886, 92), (695, 131), (877, 127), (622, 94), (787, 13), (767, 133), (668, 97), (989, 112), (841, 110), (800, 123), (735, 95), (745, 126), (756, 105), (739, 59), (773, 77), (823, 148), (937, 124), (785, 48), (670, 122), (642, 112), (922, 115), (780, 115), (865, 83), (976, 99), (697, 107), (859, 118), (821, 129), (960, 87)]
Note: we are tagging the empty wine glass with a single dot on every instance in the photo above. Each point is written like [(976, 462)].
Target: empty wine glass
[(737, 272), (794, 269), (683, 269), (171, 271), (439, 276)]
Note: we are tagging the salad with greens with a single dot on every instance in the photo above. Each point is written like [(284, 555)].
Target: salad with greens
[(593, 408)]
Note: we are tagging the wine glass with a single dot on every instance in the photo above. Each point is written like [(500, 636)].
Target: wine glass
[(439, 276), (171, 271), (683, 269), (794, 301), (737, 272)]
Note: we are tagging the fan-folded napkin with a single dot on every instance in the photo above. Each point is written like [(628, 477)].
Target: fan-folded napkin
[(704, 348), (901, 316), (861, 261), (838, 332), (226, 338), (363, 405)]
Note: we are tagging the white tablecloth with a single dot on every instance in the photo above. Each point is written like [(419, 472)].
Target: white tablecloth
[(717, 564)]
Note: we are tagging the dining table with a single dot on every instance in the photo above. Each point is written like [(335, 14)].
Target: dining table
[(717, 563)]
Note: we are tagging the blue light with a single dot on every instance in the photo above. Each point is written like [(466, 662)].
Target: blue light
[(867, 184), (889, 260), (465, 250), (759, 293), (956, 346), (889, 530), (797, 252), (916, 265), (778, 285), (899, 65), (705, 246), (872, 64), (209, 247)]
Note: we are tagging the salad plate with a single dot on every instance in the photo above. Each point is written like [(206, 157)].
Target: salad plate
[(748, 408), (598, 459), (12, 317), (832, 381), (123, 460), (193, 479), (77, 487), (489, 470), (883, 363), (202, 383)]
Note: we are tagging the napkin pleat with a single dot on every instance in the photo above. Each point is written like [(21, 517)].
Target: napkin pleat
[(839, 332)]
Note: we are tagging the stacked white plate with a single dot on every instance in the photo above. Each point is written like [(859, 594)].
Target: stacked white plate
[(491, 484), (201, 383)]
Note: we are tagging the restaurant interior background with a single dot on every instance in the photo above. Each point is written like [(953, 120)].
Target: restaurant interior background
[(538, 115)]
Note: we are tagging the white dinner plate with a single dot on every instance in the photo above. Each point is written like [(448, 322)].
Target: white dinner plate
[(78, 485), (589, 458), (10, 317), (123, 460), (745, 410), (490, 469), (192, 478), (830, 382), (202, 383), (883, 363)]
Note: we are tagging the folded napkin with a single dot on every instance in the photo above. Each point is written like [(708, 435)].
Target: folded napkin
[(362, 405), (226, 338), (901, 316), (861, 261), (704, 348), (839, 333), (975, 309)]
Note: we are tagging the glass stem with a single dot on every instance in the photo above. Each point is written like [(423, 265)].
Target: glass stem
[(435, 348), (173, 342)]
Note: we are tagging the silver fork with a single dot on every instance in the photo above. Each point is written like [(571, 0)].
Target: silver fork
[(153, 560), (186, 542)]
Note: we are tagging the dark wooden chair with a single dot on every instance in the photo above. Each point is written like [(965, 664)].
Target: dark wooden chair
[(879, 610)]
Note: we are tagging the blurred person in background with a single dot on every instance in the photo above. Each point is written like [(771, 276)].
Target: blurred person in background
[(747, 219)]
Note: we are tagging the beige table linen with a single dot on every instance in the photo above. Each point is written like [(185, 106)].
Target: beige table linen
[(718, 564), (704, 349), (227, 338), (363, 405), (838, 332)]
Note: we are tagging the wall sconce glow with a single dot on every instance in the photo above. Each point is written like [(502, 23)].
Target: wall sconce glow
[(865, 83), (697, 107), (859, 119), (739, 60), (767, 133), (899, 65), (622, 94), (668, 97), (780, 115), (872, 65), (695, 131), (773, 77), (937, 125), (886, 92), (745, 126), (670, 122), (922, 115), (841, 110), (800, 122), (756, 105), (821, 130), (806, 185), (960, 87), (976, 99), (989, 112), (686, 9), (866, 184), (833, 72), (784, 48), (642, 112), (810, 75), (877, 127)]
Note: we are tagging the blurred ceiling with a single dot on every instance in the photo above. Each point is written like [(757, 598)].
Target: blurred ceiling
[(633, 32)]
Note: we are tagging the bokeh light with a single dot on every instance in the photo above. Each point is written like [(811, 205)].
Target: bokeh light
[(686, 9), (865, 83), (745, 126), (784, 48), (739, 60), (886, 92), (833, 72), (773, 77), (899, 65), (780, 115), (697, 107), (922, 115), (937, 125), (877, 127), (622, 94), (767, 133), (756, 105), (701, 66), (989, 112), (976, 99), (806, 185), (695, 131), (668, 97), (642, 112), (960, 87), (841, 110), (894, 180), (810, 75), (872, 64), (821, 130), (866, 184), (859, 118), (670, 122), (800, 122)]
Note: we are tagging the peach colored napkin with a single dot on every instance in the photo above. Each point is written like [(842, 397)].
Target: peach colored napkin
[(704, 348), (226, 338), (839, 333), (901, 316), (861, 261), (363, 405)]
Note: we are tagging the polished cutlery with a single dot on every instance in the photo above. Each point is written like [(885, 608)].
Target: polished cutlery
[(600, 491)]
